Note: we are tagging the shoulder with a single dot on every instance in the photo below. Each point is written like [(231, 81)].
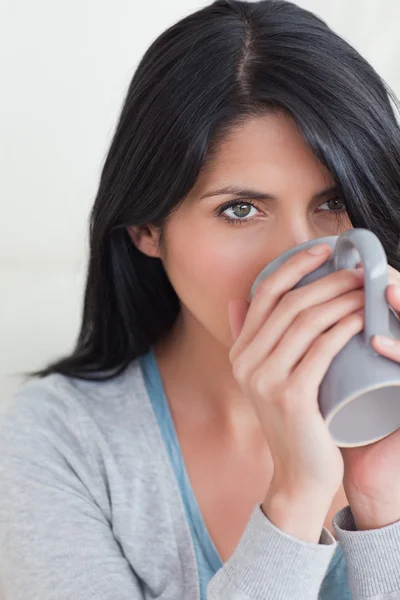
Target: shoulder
[(73, 411)]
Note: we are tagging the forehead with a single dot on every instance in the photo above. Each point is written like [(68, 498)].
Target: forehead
[(267, 151)]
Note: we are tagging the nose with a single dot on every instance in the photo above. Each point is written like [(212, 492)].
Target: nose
[(295, 234)]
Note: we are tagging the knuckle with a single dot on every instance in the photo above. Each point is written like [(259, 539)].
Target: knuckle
[(287, 397), (311, 317), (259, 385), (321, 344), (264, 288), (240, 370), (290, 300)]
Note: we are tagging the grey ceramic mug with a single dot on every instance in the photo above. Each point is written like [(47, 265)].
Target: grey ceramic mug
[(359, 396)]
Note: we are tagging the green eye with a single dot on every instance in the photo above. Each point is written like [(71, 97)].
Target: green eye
[(240, 210), (334, 205)]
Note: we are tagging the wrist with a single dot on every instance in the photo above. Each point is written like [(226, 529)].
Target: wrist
[(300, 515), (369, 515)]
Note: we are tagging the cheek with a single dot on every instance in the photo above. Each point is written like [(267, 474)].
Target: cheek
[(207, 272), (217, 266)]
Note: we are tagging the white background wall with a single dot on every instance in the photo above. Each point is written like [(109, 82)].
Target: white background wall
[(65, 69)]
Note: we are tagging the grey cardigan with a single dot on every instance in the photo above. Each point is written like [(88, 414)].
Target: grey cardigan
[(90, 509)]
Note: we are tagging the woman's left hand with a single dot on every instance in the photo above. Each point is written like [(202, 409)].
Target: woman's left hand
[(372, 473)]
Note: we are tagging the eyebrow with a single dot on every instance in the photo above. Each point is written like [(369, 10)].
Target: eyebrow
[(247, 193)]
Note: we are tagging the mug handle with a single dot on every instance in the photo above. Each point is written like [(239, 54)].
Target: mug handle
[(375, 266)]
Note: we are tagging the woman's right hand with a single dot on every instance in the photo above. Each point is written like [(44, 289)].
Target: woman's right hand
[(285, 346)]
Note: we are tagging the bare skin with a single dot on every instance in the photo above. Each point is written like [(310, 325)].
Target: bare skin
[(209, 261), (231, 472)]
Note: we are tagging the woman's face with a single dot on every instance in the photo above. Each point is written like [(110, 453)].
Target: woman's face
[(289, 198)]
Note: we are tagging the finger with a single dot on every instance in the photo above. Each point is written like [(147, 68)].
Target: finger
[(270, 290), (393, 295), (291, 306), (308, 326), (387, 346), (393, 275), (391, 290), (312, 368), (237, 310)]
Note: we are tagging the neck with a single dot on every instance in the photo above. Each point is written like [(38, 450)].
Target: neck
[(200, 363)]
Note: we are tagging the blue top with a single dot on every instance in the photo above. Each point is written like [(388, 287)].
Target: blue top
[(335, 585)]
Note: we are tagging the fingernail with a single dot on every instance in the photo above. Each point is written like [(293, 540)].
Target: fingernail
[(319, 249), (396, 289), (384, 341)]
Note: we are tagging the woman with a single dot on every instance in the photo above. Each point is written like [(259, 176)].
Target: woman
[(179, 452)]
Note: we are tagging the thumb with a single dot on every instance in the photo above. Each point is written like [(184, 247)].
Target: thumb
[(237, 309)]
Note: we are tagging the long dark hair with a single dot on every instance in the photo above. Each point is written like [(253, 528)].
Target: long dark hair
[(201, 77)]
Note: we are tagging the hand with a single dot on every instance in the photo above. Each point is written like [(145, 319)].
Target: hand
[(372, 473), (286, 341)]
